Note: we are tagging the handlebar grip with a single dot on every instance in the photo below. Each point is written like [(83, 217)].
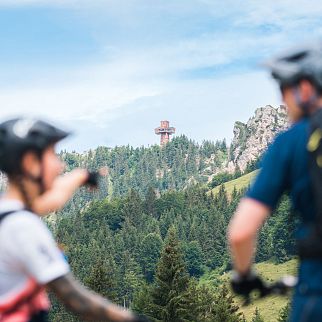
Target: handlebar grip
[(282, 286), (289, 281)]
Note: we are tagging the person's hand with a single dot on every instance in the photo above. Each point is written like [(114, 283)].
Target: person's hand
[(94, 176), (244, 284)]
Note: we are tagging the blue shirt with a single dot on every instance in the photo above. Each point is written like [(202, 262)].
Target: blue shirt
[(285, 169)]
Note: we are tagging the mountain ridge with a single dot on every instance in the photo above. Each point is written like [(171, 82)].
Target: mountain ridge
[(182, 162)]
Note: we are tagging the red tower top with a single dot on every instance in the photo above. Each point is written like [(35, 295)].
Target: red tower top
[(165, 131)]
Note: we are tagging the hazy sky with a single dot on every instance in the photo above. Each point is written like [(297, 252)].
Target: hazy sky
[(110, 70)]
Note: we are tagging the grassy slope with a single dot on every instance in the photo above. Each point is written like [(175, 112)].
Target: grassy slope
[(239, 183), (269, 307)]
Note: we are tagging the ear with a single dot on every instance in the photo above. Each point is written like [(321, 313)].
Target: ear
[(30, 163), (307, 90)]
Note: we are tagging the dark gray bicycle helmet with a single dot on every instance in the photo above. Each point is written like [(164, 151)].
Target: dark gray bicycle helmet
[(303, 62), (20, 135)]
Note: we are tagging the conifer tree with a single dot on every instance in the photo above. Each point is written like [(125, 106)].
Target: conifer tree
[(171, 284), (257, 316), (150, 202), (284, 313), (102, 279), (194, 258), (142, 302), (209, 305), (225, 309), (150, 250), (133, 208), (131, 278)]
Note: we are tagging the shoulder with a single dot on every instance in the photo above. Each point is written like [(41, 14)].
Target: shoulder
[(26, 240), (22, 217), (23, 222), (300, 128), (285, 142)]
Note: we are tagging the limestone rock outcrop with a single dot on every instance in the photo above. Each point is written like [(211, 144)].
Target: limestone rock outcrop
[(251, 139)]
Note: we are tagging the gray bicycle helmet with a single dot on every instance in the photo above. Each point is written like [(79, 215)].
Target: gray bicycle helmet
[(20, 135), (303, 62)]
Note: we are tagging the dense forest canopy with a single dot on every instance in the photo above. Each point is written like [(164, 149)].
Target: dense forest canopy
[(154, 228), (180, 163), (142, 230)]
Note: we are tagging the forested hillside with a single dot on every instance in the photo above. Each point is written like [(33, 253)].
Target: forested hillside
[(157, 225), (126, 246), (182, 162)]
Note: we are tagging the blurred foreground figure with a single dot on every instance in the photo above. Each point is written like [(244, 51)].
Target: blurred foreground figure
[(292, 164), (30, 261)]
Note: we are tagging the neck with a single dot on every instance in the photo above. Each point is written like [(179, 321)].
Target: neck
[(14, 193)]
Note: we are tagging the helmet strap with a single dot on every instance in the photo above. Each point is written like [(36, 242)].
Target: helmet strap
[(36, 179), (21, 185), (20, 181), (40, 178)]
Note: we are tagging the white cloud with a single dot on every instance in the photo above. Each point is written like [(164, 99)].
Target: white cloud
[(138, 77), (80, 102), (203, 109), (96, 92), (53, 3), (284, 13)]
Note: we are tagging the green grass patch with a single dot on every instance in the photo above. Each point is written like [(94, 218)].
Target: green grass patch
[(239, 183), (269, 307)]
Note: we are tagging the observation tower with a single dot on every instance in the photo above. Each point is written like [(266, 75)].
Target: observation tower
[(165, 131)]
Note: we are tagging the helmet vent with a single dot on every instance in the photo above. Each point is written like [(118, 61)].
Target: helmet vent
[(34, 133), (22, 127), (297, 57)]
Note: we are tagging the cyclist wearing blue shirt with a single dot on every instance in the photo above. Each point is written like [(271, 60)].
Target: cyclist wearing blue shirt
[(285, 168)]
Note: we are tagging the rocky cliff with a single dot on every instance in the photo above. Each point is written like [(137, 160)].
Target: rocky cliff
[(251, 139)]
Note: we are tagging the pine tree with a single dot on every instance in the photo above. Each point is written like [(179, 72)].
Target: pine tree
[(149, 254), (194, 258), (225, 309), (133, 208), (264, 243), (284, 313), (131, 279), (199, 300), (102, 279), (142, 302), (171, 284), (257, 316), (209, 305), (150, 199)]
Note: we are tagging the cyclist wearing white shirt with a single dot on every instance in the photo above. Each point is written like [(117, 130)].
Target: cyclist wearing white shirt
[(28, 258), (30, 261)]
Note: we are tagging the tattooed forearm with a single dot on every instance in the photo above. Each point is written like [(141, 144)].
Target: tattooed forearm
[(88, 305)]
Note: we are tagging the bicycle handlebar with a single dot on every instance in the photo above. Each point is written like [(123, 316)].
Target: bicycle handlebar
[(280, 287)]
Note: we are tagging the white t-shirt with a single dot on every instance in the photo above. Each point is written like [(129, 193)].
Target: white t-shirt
[(28, 253)]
